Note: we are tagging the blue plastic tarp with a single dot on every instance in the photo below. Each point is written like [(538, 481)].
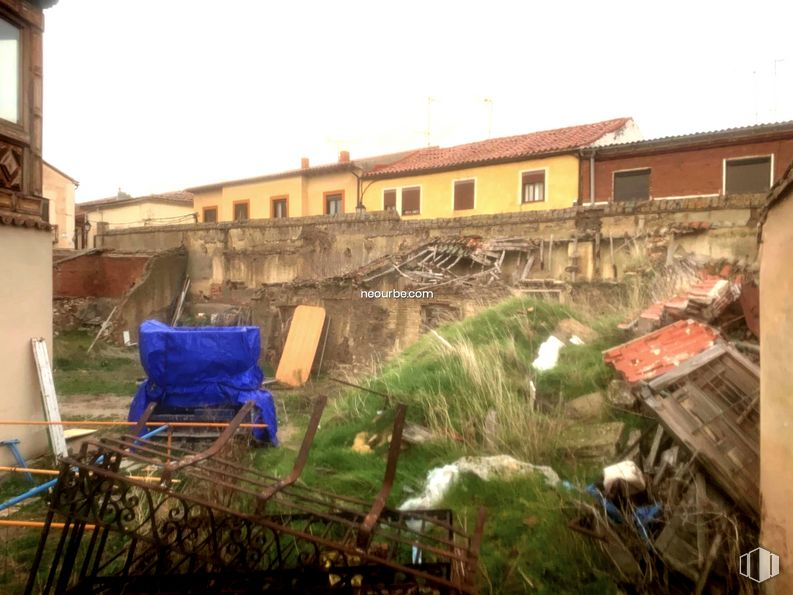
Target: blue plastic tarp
[(193, 367)]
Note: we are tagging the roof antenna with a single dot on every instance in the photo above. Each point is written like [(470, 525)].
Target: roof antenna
[(489, 102), (429, 114), (754, 79)]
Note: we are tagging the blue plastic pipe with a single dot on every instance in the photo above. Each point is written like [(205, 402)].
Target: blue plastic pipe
[(46, 486)]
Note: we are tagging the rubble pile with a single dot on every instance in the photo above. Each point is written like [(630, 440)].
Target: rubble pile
[(675, 510)]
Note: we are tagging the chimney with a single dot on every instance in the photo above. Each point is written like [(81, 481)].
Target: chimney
[(344, 156), (304, 163)]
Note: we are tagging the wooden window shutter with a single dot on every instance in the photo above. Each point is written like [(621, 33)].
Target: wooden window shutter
[(389, 199), (534, 177), (464, 195), (632, 185), (210, 215), (411, 201), (747, 176)]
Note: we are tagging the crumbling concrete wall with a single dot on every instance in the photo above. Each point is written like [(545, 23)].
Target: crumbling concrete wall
[(363, 331), (97, 274), (153, 294), (272, 251)]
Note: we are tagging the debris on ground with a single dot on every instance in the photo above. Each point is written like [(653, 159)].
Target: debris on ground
[(570, 327), (586, 407), (592, 441), (360, 443), (440, 479), (682, 502), (548, 354)]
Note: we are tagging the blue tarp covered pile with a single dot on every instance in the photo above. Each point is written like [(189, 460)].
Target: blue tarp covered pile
[(194, 367)]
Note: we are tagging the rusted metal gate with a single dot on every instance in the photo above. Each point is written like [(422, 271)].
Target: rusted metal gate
[(211, 525)]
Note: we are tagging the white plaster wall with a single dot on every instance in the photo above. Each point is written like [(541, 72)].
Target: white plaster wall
[(25, 312)]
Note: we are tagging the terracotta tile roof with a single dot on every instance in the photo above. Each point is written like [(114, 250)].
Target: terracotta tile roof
[(501, 149), (659, 352)]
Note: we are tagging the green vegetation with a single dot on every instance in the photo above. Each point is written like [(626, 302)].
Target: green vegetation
[(107, 370), (450, 380)]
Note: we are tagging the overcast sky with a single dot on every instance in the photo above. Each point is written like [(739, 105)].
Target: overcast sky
[(155, 95)]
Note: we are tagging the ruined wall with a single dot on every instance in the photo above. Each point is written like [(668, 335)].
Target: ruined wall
[(363, 331), (97, 274), (776, 383), (153, 294), (278, 251)]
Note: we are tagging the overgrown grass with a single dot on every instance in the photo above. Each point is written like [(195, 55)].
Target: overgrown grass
[(450, 381), (106, 370)]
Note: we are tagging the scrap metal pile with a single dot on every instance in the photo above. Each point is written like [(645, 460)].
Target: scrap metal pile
[(681, 504), (211, 525)]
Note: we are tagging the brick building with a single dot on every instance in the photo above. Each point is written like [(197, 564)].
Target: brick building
[(744, 160)]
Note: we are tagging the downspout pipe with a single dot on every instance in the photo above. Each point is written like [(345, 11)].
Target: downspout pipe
[(47, 485), (592, 177)]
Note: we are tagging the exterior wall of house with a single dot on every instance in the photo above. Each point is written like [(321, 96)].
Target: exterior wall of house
[(137, 214), (306, 196), (60, 191), (497, 188), (776, 388), (679, 173), (318, 186), (25, 240), (25, 313)]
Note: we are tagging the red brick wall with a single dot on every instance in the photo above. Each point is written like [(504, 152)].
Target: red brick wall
[(682, 172), (96, 275)]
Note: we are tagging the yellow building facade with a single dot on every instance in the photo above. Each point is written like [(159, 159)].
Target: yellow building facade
[(58, 188), (499, 188), (530, 172), (288, 196)]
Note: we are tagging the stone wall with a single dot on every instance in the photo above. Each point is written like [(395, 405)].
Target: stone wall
[(263, 252)]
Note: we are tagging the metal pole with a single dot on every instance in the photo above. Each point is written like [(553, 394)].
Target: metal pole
[(46, 486)]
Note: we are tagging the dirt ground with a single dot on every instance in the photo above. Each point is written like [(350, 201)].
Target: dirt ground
[(100, 407)]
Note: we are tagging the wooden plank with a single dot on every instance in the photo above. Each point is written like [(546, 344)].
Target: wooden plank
[(649, 463), (51, 410), (294, 368)]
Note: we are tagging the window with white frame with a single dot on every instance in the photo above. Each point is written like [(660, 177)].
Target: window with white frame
[(532, 186), (9, 71)]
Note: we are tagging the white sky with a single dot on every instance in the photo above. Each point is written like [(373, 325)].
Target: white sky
[(154, 95)]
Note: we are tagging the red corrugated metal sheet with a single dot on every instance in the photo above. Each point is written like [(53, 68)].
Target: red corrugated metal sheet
[(660, 351)]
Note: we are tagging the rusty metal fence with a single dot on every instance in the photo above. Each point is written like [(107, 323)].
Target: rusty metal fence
[(212, 525)]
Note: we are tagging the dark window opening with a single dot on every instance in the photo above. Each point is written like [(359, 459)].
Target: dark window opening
[(532, 186), (632, 185), (411, 201), (241, 211), (389, 200), (279, 208), (333, 204), (211, 215), (464, 195), (747, 176)]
